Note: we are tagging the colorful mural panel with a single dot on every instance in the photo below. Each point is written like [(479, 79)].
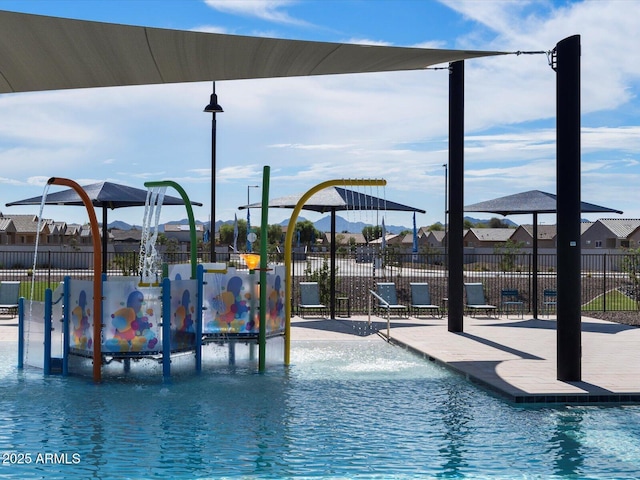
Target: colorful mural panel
[(131, 317)]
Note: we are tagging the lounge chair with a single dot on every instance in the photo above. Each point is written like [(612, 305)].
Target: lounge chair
[(388, 300), (310, 299), (476, 300), (511, 300), (9, 295), (421, 300)]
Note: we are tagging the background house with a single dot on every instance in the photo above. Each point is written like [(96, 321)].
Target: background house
[(546, 236), (609, 233), (487, 237)]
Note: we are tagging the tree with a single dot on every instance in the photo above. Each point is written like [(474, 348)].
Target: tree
[(508, 250), (497, 223), (227, 234), (371, 232), (436, 227), (274, 234), (631, 265), (308, 232)]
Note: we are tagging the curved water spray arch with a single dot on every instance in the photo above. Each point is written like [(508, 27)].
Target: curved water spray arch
[(97, 279)]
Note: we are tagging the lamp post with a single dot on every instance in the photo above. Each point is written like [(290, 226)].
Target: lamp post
[(249, 217), (213, 107)]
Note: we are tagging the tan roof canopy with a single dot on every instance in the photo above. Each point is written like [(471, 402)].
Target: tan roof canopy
[(49, 53)]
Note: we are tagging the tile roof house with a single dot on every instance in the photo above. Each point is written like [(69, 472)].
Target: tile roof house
[(487, 237), (546, 236), (609, 233), (435, 238), (23, 229)]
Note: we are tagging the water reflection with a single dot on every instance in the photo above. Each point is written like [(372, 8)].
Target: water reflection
[(456, 417), (566, 446)]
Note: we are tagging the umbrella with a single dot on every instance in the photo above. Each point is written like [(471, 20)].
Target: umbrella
[(337, 198), (535, 202), (333, 199), (107, 195)]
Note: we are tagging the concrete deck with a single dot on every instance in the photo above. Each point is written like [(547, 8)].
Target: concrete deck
[(513, 357)]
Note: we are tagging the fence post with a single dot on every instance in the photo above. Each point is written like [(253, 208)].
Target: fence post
[(604, 282)]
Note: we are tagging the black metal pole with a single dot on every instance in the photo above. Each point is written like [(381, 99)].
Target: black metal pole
[(455, 244), (567, 66), (332, 291), (535, 265), (105, 235), (212, 226), (213, 107)]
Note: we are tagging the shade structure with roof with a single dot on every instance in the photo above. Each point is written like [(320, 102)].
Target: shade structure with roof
[(47, 53), (532, 202), (332, 200), (106, 195)]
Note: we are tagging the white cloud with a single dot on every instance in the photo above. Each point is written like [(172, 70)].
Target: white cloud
[(269, 10)]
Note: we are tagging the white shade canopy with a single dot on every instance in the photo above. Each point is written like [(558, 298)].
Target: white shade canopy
[(49, 53)]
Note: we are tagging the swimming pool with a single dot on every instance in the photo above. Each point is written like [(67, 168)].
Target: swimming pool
[(343, 409)]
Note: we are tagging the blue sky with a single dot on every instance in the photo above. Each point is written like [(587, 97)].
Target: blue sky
[(308, 130)]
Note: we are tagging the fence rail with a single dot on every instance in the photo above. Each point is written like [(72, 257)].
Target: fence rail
[(608, 283)]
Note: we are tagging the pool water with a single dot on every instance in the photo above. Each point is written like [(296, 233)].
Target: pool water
[(348, 409)]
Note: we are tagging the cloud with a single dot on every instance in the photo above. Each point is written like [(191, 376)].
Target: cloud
[(268, 10)]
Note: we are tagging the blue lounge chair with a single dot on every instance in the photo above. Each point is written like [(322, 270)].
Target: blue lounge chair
[(476, 300), (421, 300)]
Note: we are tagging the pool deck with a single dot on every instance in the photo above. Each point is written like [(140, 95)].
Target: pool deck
[(515, 358)]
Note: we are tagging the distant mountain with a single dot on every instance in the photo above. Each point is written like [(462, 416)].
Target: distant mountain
[(119, 225), (324, 224), (342, 225)]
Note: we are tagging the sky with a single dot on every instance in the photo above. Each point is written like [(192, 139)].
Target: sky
[(308, 130)]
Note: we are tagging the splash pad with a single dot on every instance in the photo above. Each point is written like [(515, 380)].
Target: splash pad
[(194, 310)]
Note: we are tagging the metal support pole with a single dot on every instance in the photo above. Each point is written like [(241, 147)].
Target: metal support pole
[(535, 265), (568, 209), (456, 196), (332, 291), (264, 231)]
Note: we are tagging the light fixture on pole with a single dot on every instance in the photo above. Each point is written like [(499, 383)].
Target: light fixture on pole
[(213, 107), (249, 232)]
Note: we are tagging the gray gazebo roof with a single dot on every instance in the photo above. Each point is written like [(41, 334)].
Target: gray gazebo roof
[(533, 201), (107, 195), (49, 53), (102, 194), (338, 198)]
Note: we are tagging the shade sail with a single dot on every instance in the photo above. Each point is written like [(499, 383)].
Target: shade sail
[(533, 201), (337, 199), (49, 53), (102, 194)]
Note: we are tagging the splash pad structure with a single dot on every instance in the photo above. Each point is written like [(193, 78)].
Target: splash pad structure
[(195, 310)]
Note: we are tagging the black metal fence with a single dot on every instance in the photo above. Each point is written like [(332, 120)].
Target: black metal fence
[(610, 282)]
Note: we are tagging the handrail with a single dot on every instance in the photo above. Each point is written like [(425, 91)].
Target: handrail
[(388, 312)]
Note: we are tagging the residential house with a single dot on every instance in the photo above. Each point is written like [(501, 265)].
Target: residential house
[(546, 236), (126, 240), (434, 238), (7, 231), (487, 237), (344, 239), (25, 230), (610, 233), (182, 233)]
